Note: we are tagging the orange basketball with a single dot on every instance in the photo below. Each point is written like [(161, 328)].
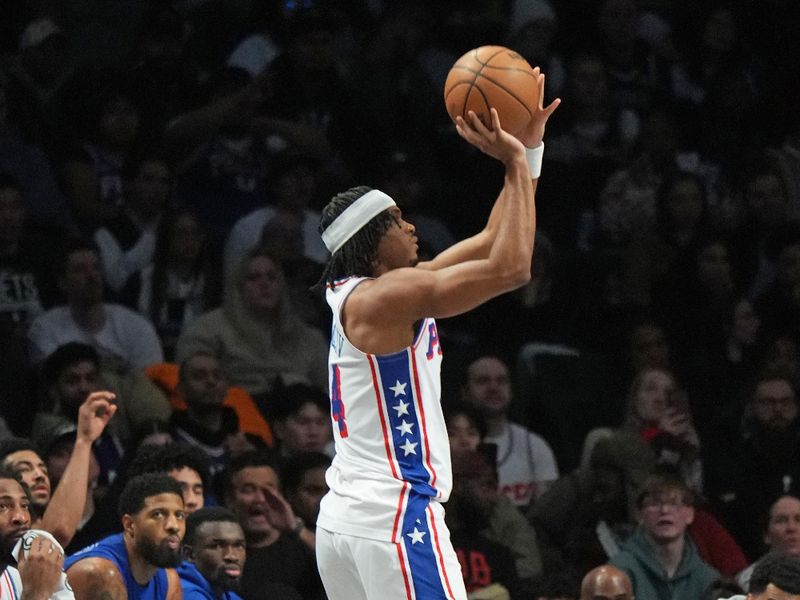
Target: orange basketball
[(492, 77)]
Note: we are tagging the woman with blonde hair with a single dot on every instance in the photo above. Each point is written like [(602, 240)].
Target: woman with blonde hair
[(256, 333)]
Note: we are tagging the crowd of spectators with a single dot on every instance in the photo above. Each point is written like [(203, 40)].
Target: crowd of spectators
[(162, 165)]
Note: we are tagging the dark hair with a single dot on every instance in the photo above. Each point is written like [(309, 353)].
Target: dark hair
[(206, 264), (183, 365), (15, 444), (6, 473), (779, 569), (295, 467), (454, 409), (71, 246), (723, 587), (287, 400), (163, 459), (64, 356), (207, 514), (357, 255), (255, 458), (144, 486)]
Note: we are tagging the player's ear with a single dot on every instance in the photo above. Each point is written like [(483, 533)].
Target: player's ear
[(127, 524), (188, 552)]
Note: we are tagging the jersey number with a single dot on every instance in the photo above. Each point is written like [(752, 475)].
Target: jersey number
[(337, 406)]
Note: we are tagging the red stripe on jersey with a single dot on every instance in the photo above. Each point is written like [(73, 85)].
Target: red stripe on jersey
[(421, 409), (403, 568), (399, 512), (379, 399), (439, 553)]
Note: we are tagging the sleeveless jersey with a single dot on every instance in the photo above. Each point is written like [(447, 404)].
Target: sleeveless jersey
[(113, 548), (392, 451)]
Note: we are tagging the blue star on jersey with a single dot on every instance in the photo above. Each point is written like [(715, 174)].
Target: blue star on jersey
[(406, 432)]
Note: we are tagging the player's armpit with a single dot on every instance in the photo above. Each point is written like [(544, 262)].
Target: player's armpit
[(96, 579)]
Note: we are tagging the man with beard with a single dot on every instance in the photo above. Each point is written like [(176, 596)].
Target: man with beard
[(526, 466), (760, 466), (214, 555), (137, 564), (37, 575)]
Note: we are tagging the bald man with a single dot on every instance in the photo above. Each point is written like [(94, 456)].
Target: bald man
[(606, 582)]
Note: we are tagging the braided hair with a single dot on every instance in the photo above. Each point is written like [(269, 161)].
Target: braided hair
[(357, 255)]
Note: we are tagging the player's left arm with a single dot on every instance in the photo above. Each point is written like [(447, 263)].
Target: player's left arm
[(478, 246)]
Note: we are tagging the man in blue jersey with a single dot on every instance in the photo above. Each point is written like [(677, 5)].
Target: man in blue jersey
[(214, 552), (381, 531), (137, 564)]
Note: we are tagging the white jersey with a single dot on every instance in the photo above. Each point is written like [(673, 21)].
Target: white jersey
[(392, 451)]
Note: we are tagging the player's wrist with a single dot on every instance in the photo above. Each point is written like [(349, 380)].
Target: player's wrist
[(534, 158)]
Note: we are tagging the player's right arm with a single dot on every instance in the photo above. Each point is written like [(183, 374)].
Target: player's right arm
[(478, 246), (380, 313), (96, 578)]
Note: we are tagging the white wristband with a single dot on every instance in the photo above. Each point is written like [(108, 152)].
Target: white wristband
[(534, 157)]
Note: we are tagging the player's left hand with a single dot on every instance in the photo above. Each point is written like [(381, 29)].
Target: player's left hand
[(533, 134)]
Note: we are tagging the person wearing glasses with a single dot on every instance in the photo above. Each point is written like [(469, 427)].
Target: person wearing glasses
[(660, 558)]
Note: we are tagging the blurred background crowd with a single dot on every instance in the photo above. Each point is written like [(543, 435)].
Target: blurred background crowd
[(162, 168)]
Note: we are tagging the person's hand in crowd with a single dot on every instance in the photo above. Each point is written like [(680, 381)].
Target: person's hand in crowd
[(95, 413)]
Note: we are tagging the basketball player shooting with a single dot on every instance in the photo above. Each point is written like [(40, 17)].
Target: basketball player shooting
[(381, 530)]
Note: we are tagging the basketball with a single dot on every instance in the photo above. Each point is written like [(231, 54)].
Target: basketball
[(492, 77)]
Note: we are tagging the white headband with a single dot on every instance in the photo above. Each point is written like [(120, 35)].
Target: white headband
[(354, 217)]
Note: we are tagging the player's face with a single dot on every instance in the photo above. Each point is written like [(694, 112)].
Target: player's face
[(306, 498), (158, 529), (653, 395), (783, 529), (191, 488), (307, 430), (489, 386), (398, 247), (248, 498), (773, 592), (15, 516), (219, 553), (462, 433), (34, 473)]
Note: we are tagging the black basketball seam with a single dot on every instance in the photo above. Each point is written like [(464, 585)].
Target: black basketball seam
[(474, 79), (479, 73), (505, 89)]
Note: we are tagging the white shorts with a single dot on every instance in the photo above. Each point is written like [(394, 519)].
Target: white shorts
[(423, 567)]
